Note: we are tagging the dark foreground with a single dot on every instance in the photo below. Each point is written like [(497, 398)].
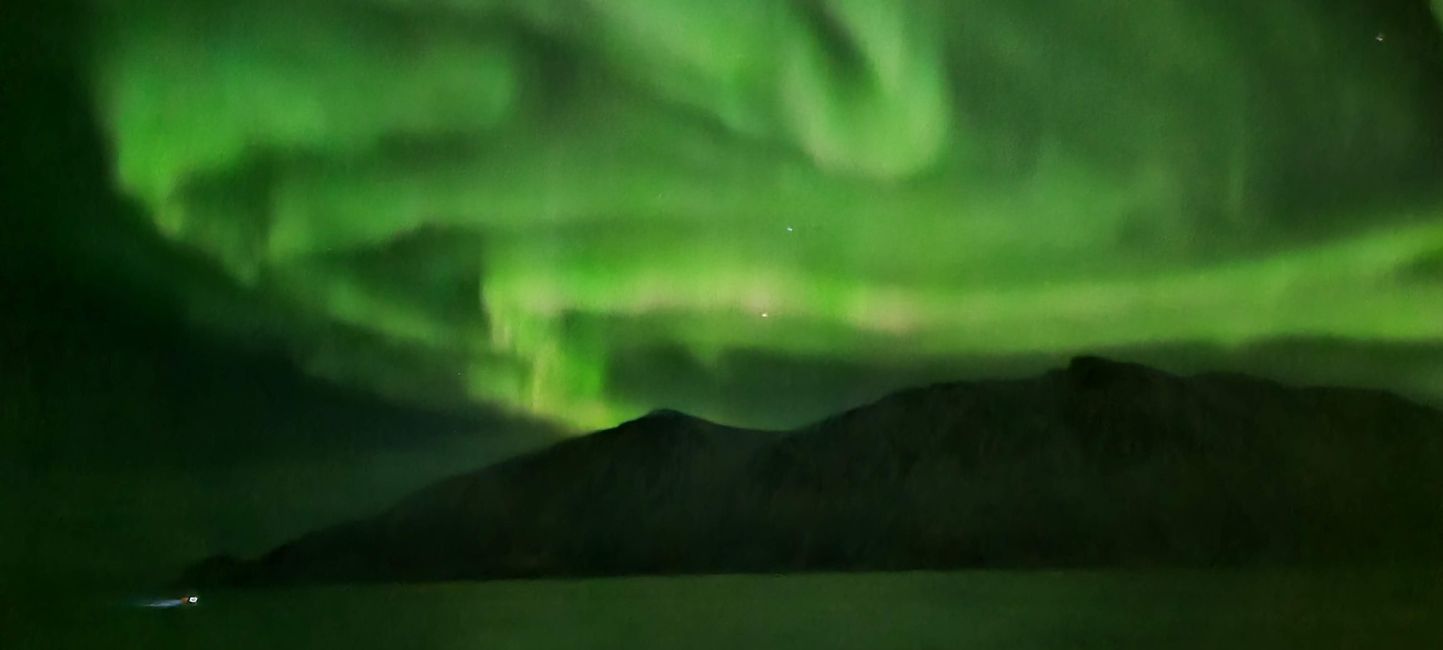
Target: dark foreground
[(983, 609)]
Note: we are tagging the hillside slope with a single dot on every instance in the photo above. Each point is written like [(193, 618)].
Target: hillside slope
[(1101, 463)]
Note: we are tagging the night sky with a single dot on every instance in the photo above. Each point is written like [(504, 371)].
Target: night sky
[(338, 233), (530, 204)]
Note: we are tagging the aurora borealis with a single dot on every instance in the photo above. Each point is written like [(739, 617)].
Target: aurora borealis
[(511, 202)]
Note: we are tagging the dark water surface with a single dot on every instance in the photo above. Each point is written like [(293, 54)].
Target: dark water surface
[(981, 609)]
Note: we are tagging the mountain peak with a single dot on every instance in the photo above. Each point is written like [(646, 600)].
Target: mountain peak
[(667, 414), (663, 420), (1106, 462), (1092, 370)]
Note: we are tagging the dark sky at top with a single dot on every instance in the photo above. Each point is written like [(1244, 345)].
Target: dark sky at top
[(336, 247)]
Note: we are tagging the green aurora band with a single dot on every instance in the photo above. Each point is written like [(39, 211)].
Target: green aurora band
[(503, 200)]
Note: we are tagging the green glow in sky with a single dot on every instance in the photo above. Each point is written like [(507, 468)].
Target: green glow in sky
[(511, 197)]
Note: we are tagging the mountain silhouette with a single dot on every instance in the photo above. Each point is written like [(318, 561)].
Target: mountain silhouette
[(1102, 463)]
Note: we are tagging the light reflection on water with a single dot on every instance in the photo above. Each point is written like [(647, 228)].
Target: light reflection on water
[(984, 609)]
